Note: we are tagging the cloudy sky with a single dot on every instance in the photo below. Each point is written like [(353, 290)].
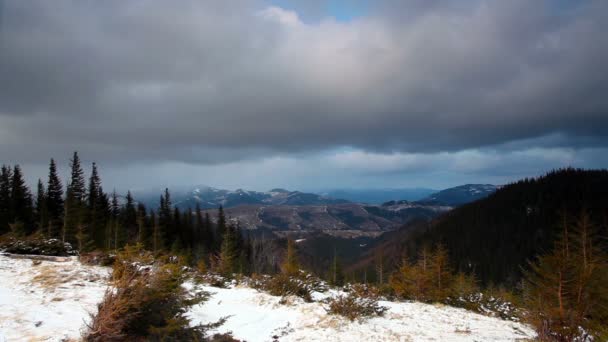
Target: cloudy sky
[(304, 94)]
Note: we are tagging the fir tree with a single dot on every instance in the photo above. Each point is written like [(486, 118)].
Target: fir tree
[(54, 201)]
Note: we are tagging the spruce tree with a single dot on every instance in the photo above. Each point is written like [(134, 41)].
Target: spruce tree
[(75, 209), (5, 199), (21, 202), (42, 214), (54, 198), (97, 208)]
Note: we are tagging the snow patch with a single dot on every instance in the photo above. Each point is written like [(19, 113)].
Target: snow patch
[(256, 316), (51, 301)]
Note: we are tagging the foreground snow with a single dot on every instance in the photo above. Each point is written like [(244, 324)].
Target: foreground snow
[(255, 316), (52, 301), (47, 302)]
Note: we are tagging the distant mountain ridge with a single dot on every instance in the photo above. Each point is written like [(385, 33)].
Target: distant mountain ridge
[(379, 196), (208, 197), (460, 195)]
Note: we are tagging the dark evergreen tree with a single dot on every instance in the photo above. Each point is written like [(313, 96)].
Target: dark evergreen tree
[(54, 198), (165, 219), (21, 202), (228, 253), (42, 214), (129, 218), (6, 216), (220, 228), (97, 208), (74, 207), (208, 228), (143, 231)]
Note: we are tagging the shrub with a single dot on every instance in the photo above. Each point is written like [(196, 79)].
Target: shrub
[(147, 303), (360, 302), (97, 258), (37, 245), (301, 285)]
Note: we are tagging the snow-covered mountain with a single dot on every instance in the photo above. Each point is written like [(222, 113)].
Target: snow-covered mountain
[(208, 197)]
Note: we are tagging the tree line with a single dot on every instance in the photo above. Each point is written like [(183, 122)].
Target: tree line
[(89, 218)]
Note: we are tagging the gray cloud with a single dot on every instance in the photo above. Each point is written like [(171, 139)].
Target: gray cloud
[(212, 82)]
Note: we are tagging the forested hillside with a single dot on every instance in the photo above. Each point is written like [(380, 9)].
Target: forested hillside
[(495, 237)]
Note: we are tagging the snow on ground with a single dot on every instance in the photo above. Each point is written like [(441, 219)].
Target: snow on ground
[(255, 316), (47, 302), (52, 301)]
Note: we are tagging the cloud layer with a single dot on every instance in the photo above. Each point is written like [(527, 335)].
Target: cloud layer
[(208, 82)]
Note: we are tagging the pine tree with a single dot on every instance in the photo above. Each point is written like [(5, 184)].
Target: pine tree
[(54, 201), (42, 214), (6, 216), (21, 202)]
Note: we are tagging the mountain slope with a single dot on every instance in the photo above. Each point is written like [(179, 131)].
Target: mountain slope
[(494, 237), (346, 219), (378, 196), (460, 195)]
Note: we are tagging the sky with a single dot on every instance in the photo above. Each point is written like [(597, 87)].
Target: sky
[(304, 94)]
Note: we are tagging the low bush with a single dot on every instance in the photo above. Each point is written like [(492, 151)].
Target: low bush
[(97, 258), (37, 245), (301, 285), (146, 303), (360, 302)]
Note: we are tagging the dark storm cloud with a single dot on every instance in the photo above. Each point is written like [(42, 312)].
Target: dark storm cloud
[(208, 82)]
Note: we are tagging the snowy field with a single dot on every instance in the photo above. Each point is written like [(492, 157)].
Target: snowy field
[(255, 316), (47, 302), (52, 301)]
